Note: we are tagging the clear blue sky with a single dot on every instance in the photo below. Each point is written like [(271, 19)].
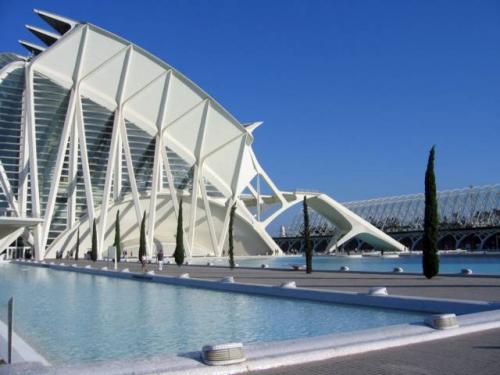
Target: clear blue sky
[(352, 93)]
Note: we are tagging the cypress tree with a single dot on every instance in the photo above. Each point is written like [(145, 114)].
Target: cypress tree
[(307, 238), (118, 246), (77, 244), (231, 244), (430, 258), (142, 240), (179, 239), (93, 253)]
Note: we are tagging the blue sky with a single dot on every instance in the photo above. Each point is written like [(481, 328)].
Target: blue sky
[(352, 93)]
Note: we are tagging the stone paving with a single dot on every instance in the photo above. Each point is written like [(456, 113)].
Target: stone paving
[(477, 353)]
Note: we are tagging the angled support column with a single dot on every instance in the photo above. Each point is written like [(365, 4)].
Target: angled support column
[(173, 191), (225, 227), (208, 216), (107, 184), (33, 162), (266, 178), (258, 197), (9, 194), (117, 176), (131, 175), (206, 201), (170, 180), (72, 174), (154, 192), (63, 144), (80, 125), (157, 165), (335, 242), (196, 177), (24, 168), (117, 125)]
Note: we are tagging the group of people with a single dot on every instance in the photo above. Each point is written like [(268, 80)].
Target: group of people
[(159, 258)]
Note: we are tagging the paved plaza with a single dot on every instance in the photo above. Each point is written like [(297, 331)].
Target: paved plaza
[(477, 353)]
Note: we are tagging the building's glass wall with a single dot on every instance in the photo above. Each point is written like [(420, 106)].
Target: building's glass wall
[(51, 104), (11, 112), (142, 151), (7, 58), (98, 130)]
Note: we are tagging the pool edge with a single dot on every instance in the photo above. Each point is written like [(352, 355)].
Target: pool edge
[(21, 350)]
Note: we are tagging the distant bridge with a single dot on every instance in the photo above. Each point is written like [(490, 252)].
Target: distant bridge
[(469, 219)]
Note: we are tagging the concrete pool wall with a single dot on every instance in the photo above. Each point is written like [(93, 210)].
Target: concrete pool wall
[(21, 350)]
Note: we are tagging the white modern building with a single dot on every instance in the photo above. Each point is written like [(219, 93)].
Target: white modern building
[(92, 125)]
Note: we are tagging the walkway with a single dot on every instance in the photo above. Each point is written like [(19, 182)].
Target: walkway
[(477, 353)]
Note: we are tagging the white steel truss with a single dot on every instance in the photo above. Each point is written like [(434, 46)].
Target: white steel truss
[(126, 132), (472, 207)]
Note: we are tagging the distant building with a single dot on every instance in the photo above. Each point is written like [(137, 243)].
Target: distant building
[(282, 231), (469, 219)]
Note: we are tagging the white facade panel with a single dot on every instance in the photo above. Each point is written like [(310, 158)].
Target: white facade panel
[(98, 49), (105, 80), (247, 170), (146, 103), (220, 130), (186, 130), (142, 71), (61, 62), (182, 98), (226, 162)]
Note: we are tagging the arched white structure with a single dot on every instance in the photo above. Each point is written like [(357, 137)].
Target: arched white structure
[(106, 126)]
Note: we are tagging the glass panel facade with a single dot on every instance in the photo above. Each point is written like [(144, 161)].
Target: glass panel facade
[(51, 104), (98, 130), (142, 150), (182, 172), (11, 112), (7, 58)]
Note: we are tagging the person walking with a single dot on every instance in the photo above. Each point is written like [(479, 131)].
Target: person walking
[(142, 260), (160, 260)]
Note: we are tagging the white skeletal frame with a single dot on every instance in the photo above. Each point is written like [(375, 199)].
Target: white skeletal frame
[(73, 137)]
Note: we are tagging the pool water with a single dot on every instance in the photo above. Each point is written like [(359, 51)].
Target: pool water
[(76, 318), (480, 264)]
